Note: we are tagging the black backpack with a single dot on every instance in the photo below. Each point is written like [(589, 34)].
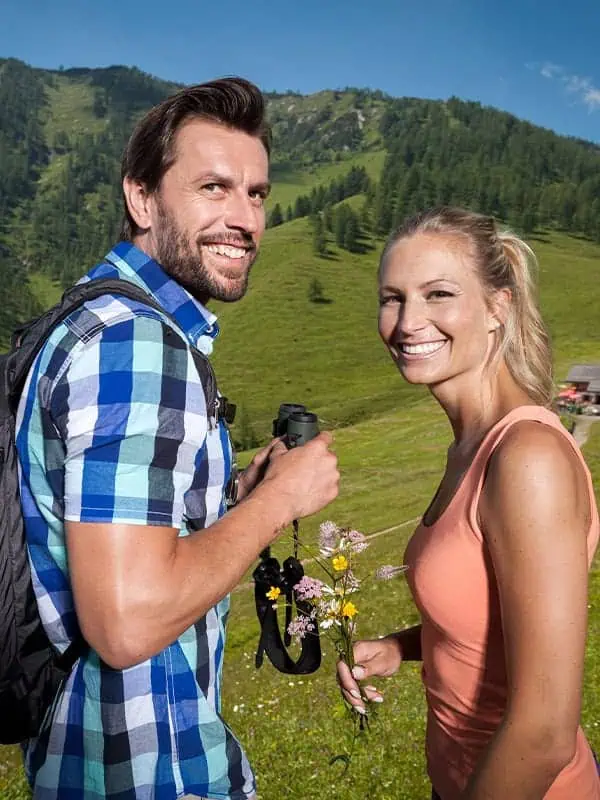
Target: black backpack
[(31, 670)]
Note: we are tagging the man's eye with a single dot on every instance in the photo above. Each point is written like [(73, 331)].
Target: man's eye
[(260, 195), (212, 188)]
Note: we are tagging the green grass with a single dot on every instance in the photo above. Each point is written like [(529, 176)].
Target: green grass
[(289, 183), (70, 108), (45, 291), (277, 346), (569, 275)]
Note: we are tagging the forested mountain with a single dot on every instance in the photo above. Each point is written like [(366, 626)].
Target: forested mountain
[(62, 133)]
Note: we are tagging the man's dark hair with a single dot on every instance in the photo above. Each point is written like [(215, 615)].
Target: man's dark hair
[(150, 152)]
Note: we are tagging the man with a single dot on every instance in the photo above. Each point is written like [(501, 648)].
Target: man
[(124, 471)]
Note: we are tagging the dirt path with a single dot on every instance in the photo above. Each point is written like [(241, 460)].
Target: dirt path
[(581, 431)]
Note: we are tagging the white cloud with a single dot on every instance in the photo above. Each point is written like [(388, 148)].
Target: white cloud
[(550, 70), (592, 98), (583, 88)]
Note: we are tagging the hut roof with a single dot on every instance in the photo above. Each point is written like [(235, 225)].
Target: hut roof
[(584, 373)]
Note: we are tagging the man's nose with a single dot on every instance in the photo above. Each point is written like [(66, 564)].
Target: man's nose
[(243, 213)]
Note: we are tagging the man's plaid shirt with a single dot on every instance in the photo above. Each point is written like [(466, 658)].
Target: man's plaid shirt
[(113, 427)]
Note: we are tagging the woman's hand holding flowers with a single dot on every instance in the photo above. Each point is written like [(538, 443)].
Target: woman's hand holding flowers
[(372, 658)]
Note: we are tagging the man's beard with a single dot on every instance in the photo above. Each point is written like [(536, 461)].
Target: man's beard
[(175, 255)]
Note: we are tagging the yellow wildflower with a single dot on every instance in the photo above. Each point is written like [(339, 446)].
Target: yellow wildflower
[(349, 610), (340, 563), (273, 592)]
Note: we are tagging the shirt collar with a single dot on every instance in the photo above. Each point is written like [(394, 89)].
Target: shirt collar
[(195, 320)]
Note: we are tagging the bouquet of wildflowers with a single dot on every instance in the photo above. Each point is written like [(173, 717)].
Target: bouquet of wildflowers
[(333, 605)]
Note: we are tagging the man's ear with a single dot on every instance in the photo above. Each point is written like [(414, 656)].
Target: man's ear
[(139, 202), (499, 309)]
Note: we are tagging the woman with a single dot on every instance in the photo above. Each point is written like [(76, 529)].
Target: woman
[(499, 564)]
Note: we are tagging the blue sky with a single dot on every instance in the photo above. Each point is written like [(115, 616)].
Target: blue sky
[(539, 59)]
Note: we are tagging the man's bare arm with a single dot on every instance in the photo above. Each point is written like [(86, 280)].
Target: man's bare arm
[(138, 587)]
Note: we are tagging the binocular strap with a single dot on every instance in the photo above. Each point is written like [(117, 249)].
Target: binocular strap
[(268, 575)]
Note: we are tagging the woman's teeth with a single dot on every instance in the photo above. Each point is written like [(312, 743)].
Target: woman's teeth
[(421, 349)]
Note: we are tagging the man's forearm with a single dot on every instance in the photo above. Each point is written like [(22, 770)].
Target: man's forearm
[(224, 551), (165, 593), (138, 587)]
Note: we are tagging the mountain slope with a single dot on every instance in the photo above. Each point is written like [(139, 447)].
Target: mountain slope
[(62, 134)]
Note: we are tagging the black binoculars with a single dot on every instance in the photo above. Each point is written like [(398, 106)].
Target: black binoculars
[(295, 424)]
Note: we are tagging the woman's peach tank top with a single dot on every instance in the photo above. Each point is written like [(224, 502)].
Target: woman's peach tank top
[(453, 585)]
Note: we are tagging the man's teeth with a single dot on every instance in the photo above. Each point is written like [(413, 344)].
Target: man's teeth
[(226, 250), (421, 349)]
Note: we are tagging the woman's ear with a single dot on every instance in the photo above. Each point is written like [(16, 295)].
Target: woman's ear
[(499, 309)]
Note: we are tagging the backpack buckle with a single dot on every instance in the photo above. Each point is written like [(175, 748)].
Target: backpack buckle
[(226, 410)]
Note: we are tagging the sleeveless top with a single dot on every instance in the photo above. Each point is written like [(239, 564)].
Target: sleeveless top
[(452, 582)]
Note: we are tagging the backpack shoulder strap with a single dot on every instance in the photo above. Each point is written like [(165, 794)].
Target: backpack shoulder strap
[(30, 338)]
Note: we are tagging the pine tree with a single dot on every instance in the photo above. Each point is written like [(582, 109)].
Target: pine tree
[(352, 233), (275, 217), (315, 291), (328, 218), (319, 236), (341, 222)]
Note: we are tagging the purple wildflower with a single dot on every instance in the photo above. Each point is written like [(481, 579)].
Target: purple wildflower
[(387, 572), (351, 582), (308, 588), (358, 541), (328, 535), (299, 627)]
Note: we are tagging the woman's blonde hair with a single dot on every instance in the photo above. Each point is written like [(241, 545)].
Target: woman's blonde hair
[(503, 261)]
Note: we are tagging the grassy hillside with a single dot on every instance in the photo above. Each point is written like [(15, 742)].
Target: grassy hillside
[(289, 181), (277, 346)]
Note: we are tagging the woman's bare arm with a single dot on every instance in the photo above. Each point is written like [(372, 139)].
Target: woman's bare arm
[(535, 514)]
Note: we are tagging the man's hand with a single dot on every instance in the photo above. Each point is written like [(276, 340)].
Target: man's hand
[(303, 480), (255, 471)]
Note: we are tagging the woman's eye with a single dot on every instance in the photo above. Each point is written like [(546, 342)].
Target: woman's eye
[(386, 301), (439, 294)]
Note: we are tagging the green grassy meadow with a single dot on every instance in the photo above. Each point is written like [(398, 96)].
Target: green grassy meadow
[(289, 181), (276, 346)]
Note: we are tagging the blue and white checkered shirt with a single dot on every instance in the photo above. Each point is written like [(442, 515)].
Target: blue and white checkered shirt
[(113, 427)]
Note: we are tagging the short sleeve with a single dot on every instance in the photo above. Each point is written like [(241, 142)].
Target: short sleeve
[(131, 410)]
